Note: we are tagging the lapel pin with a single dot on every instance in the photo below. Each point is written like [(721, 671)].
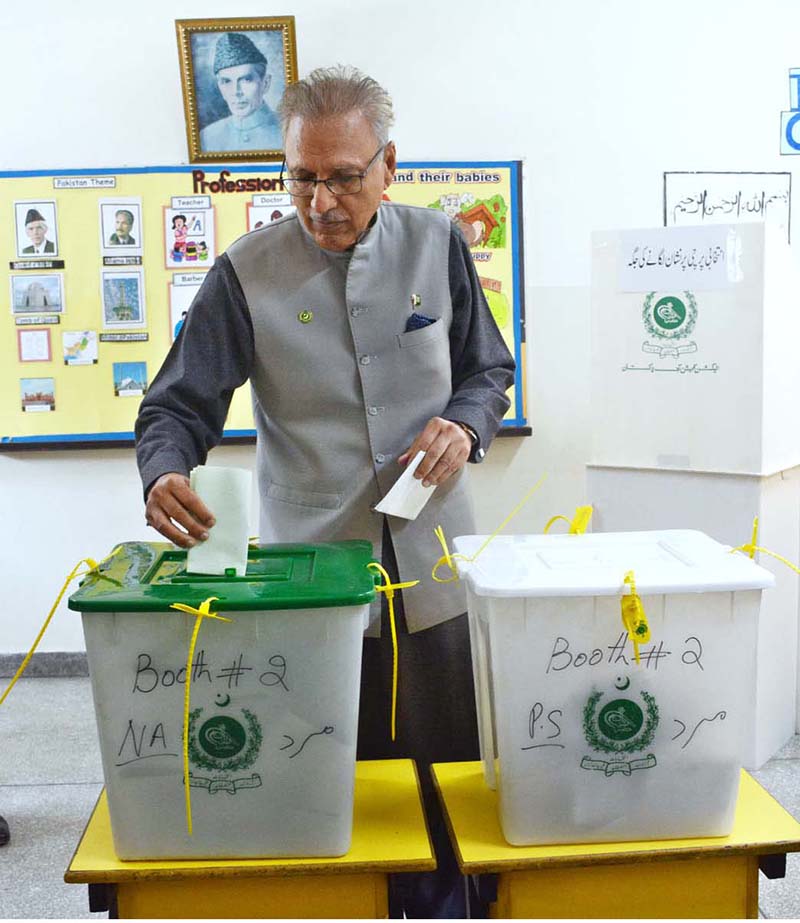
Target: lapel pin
[(305, 317)]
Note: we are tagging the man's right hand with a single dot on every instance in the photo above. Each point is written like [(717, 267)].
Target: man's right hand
[(175, 510)]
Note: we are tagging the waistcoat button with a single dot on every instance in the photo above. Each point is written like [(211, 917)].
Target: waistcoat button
[(364, 360), (380, 459)]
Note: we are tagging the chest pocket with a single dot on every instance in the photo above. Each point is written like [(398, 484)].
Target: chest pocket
[(423, 362), (412, 338)]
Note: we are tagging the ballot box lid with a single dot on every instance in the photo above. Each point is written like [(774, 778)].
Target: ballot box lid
[(151, 576)]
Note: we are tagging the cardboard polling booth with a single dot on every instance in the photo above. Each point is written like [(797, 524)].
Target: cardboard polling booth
[(723, 506), (694, 365), (274, 699), (583, 743)]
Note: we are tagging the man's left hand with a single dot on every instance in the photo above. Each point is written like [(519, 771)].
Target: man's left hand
[(446, 446)]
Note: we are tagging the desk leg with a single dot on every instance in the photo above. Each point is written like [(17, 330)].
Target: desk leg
[(690, 888), (102, 898), (292, 897)]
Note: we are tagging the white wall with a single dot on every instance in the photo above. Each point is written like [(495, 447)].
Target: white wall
[(597, 99)]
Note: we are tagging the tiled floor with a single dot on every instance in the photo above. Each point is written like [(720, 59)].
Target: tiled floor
[(50, 778)]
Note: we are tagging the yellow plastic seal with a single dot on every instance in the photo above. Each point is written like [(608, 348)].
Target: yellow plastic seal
[(388, 589), (751, 549), (633, 616), (579, 522), (200, 614)]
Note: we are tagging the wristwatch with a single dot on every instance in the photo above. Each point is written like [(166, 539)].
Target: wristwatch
[(477, 453)]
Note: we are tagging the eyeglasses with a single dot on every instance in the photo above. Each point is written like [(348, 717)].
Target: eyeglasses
[(338, 185)]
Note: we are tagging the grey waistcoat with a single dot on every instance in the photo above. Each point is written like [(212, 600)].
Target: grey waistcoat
[(339, 397)]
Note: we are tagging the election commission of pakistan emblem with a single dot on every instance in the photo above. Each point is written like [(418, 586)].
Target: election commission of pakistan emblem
[(669, 319), (224, 745), (620, 728)]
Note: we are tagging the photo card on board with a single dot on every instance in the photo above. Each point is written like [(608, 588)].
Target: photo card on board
[(36, 228), (123, 298), (121, 229)]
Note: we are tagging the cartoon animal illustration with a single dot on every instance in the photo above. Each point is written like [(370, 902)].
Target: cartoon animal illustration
[(475, 232)]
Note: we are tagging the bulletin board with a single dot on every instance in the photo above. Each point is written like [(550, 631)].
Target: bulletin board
[(103, 265)]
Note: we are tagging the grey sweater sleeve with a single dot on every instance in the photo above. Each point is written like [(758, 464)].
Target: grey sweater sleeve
[(183, 413), (482, 367)]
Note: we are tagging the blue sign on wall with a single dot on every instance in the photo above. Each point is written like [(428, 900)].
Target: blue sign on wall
[(790, 121)]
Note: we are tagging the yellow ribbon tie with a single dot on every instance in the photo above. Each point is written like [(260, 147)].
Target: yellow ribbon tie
[(754, 538), (75, 572), (448, 558), (200, 614), (633, 616), (553, 520), (388, 589), (752, 548), (578, 523)]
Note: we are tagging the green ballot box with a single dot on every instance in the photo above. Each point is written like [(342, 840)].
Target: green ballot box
[(273, 710)]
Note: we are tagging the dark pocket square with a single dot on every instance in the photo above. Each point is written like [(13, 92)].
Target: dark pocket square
[(419, 320)]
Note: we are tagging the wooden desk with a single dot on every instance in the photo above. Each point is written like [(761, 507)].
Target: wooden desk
[(709, 877), (389, 835)]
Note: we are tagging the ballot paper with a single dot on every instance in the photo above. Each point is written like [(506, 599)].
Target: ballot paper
[(407, 497), (226, 492)]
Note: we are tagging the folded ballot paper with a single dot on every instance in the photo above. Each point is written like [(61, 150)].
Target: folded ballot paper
[(407, 497), (226, 492)]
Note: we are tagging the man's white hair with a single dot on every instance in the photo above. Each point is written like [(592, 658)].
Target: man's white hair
[(338, 90)]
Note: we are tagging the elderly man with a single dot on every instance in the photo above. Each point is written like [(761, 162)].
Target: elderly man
[(364, 332), (240, 70), (36, 230), (123, 222)]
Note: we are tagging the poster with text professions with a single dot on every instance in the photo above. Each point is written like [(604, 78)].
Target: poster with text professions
[(102, 267), (728, 198)]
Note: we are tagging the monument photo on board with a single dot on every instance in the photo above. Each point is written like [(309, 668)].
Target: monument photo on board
[(234, 72)]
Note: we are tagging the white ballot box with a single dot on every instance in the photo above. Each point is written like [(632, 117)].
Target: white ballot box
[(694, 334), (588, 745), (724, 506), (273, 712)]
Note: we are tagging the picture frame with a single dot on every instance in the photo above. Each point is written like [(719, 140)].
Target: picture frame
[(36, 229), (233, 74)]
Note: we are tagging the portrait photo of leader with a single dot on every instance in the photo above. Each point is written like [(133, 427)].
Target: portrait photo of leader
[(120, 226), (36, 229), (237, 78), (123, 223)]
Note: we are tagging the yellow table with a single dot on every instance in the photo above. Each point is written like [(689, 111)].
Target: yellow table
[(389, 835), (708, 877)]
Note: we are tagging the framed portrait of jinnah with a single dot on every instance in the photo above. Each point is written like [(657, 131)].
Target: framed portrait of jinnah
[(234, 72)]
